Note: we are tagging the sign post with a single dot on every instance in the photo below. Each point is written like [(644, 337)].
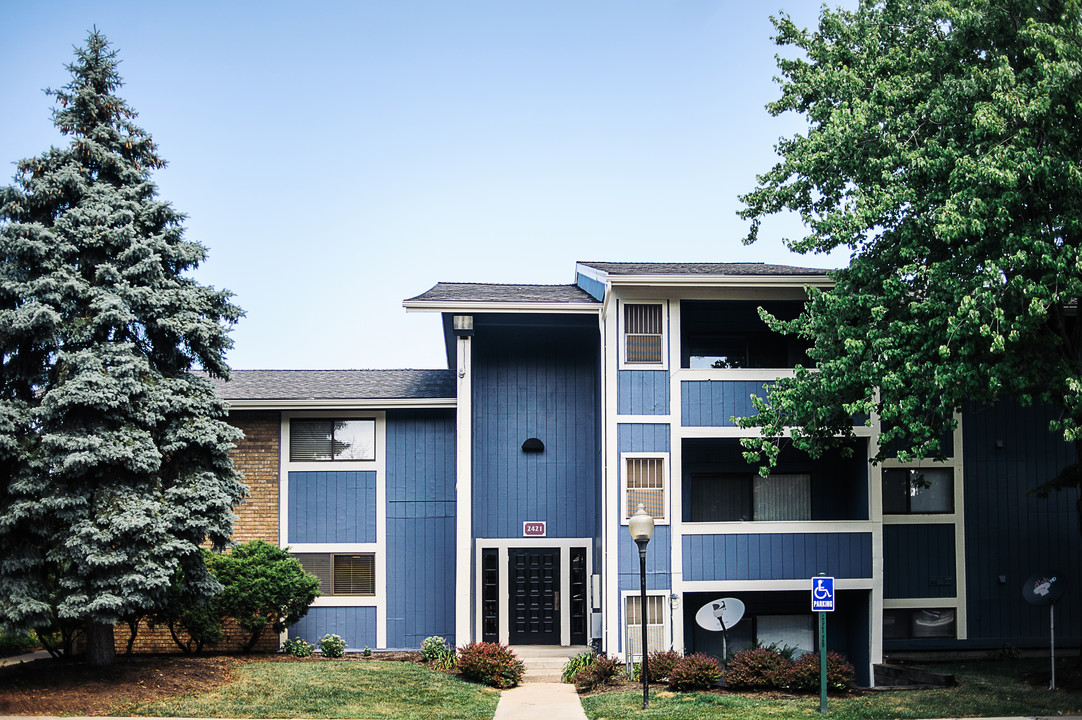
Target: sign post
[(822, 603)]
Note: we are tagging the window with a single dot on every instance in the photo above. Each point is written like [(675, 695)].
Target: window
[(342, 574), (328, 440), (732, 497), (918, 623), (644, 482), (643, 335), (725, 334), (912, 491), (655, 623), (795, 631)]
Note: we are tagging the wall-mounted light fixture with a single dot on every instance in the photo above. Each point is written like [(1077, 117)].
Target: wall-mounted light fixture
[(462, 325), (533, 445)]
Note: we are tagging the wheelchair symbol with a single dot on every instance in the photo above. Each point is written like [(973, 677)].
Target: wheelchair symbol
[(822, 592)]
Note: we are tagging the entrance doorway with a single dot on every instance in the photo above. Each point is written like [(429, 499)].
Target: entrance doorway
[(533, 611)]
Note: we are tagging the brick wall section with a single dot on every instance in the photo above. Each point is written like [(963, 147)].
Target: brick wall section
[(256, 457)]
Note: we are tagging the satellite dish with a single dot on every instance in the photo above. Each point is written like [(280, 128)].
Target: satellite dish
[(1044, 588), (720, 615)]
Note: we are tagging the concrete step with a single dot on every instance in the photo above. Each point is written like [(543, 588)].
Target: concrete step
[(545, 663)]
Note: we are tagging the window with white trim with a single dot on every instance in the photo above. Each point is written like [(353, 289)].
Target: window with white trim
[(731, 497), (342, 574), (644, 330), (327, 440), (646, 482), (656, 616), (918, 491), (919, 623)]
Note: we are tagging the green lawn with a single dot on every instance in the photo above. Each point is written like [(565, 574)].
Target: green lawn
[(393, 690), (984, 689)]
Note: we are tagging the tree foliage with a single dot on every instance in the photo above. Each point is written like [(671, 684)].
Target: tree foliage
[(113, 454), (263, 588), (944, 148)]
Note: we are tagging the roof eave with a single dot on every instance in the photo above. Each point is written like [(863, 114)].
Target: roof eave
[(722, 280), (339, 403), (500, 307)]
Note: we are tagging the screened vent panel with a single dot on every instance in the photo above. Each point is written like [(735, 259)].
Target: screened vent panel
[(355, 574), (646, 485), (643, 334), (655, 624)]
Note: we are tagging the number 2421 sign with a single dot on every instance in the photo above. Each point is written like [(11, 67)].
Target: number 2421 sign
[(533, 529)]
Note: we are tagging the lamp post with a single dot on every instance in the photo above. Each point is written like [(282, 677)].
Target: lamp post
[(641, 526)]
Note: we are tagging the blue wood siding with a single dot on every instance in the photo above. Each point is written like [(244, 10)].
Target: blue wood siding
[(538, 382), (420, 526), (1008, 451), (642, 437), (595, 288), (781, 556), (355, 625), (658, 560), (918, 561), (642, 392), (714, 403), (332, 507)]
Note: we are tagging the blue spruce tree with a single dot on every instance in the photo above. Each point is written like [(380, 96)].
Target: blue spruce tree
[(113, 452)]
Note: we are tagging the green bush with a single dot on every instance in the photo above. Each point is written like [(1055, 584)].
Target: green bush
[(660, 664), (298, 647), (263, 587), (602, 671), (18, 644), (758, 668), (433, 648), (193, 620), (332, 646), (493, 664), (574, 664), (804, 674), (697, 671)]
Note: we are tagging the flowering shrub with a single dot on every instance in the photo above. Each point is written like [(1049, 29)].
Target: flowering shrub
[(758, 668), (602, 671), (493, 664), (297, 647), (697, 671), (433, 647), (574, 664), (660, 664), (804, 674), (332, 646)]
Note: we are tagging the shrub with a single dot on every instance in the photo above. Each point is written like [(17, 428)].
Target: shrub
[(575, 664), (697, 671), (757, 668), (332, 646), (490, 663), (433, 647), (602, 671), (263, 587), (660, 664), (297, 647), (804, 674)]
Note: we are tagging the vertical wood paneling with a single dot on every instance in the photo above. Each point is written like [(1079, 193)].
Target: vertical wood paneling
[(642, 437), (642, 392), (420, 526), (332, 507), (539, 383), (355, 625), (714, 403), (776, 556), (658, 556), (918, 561)]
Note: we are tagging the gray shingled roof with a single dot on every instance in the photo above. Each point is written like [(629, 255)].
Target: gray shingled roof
[(627, 268), (483, 292), (336, 384)]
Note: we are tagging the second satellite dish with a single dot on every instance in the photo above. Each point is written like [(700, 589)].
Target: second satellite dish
[(719, 615)]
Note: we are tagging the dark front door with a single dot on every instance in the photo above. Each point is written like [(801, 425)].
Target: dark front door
[(534, 603)]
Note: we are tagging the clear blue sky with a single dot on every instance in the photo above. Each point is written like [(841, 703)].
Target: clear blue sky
[(338, 157)]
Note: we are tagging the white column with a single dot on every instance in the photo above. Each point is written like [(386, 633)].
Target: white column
[(463, 495)]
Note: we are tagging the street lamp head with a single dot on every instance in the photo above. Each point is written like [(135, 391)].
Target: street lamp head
[(641, 526)]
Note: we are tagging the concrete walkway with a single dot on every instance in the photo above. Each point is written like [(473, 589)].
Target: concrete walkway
[(27, 657), (551, 701)]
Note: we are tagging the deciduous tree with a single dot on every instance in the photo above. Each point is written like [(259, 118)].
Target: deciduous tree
[(944, 149), (113, 453)]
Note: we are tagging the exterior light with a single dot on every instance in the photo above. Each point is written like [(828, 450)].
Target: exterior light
[(641, 527), (462, 325)]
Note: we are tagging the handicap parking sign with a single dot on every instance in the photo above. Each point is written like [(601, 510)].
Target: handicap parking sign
[(822, 594)]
